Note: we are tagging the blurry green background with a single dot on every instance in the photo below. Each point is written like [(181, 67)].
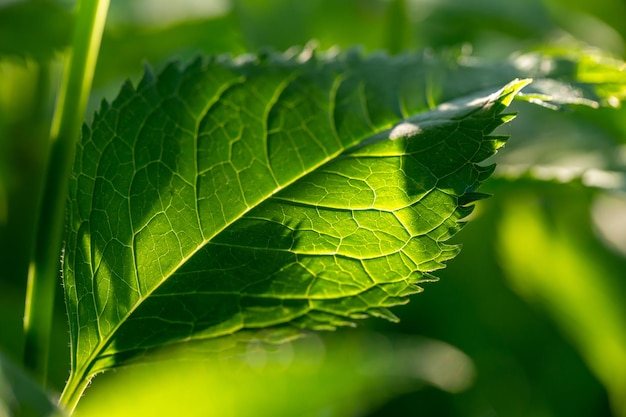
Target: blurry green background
[(536, 299)]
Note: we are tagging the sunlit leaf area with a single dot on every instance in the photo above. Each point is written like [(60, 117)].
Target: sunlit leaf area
[(323, 208)]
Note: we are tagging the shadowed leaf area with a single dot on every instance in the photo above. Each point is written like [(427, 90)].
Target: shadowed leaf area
[(276, 192)]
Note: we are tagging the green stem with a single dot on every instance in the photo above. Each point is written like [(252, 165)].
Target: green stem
[(73, 391), (43, 274), (397, 32)]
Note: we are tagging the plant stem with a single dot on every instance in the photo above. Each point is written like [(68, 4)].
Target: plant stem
[(73, 392), (43, 273), (397, 32)]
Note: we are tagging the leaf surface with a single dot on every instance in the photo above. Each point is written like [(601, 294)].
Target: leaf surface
[(274, 192)]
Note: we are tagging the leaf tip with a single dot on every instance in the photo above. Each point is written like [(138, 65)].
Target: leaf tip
[(384, 313), (512, 89)]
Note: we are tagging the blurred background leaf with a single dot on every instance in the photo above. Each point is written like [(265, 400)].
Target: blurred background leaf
[(20, 396), (555, 225), (329, 375), (558, 267)]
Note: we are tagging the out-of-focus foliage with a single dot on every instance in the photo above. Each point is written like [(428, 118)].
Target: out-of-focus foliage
[(537, 349), (19, 396), (17, 37), (334, 376), (558, 267)]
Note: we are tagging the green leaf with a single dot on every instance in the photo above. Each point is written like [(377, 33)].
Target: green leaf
[(550, 257), (333, 375), (268, 192), (586, 77), (20, 396)]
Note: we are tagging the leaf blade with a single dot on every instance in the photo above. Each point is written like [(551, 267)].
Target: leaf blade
[(201, 204)]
